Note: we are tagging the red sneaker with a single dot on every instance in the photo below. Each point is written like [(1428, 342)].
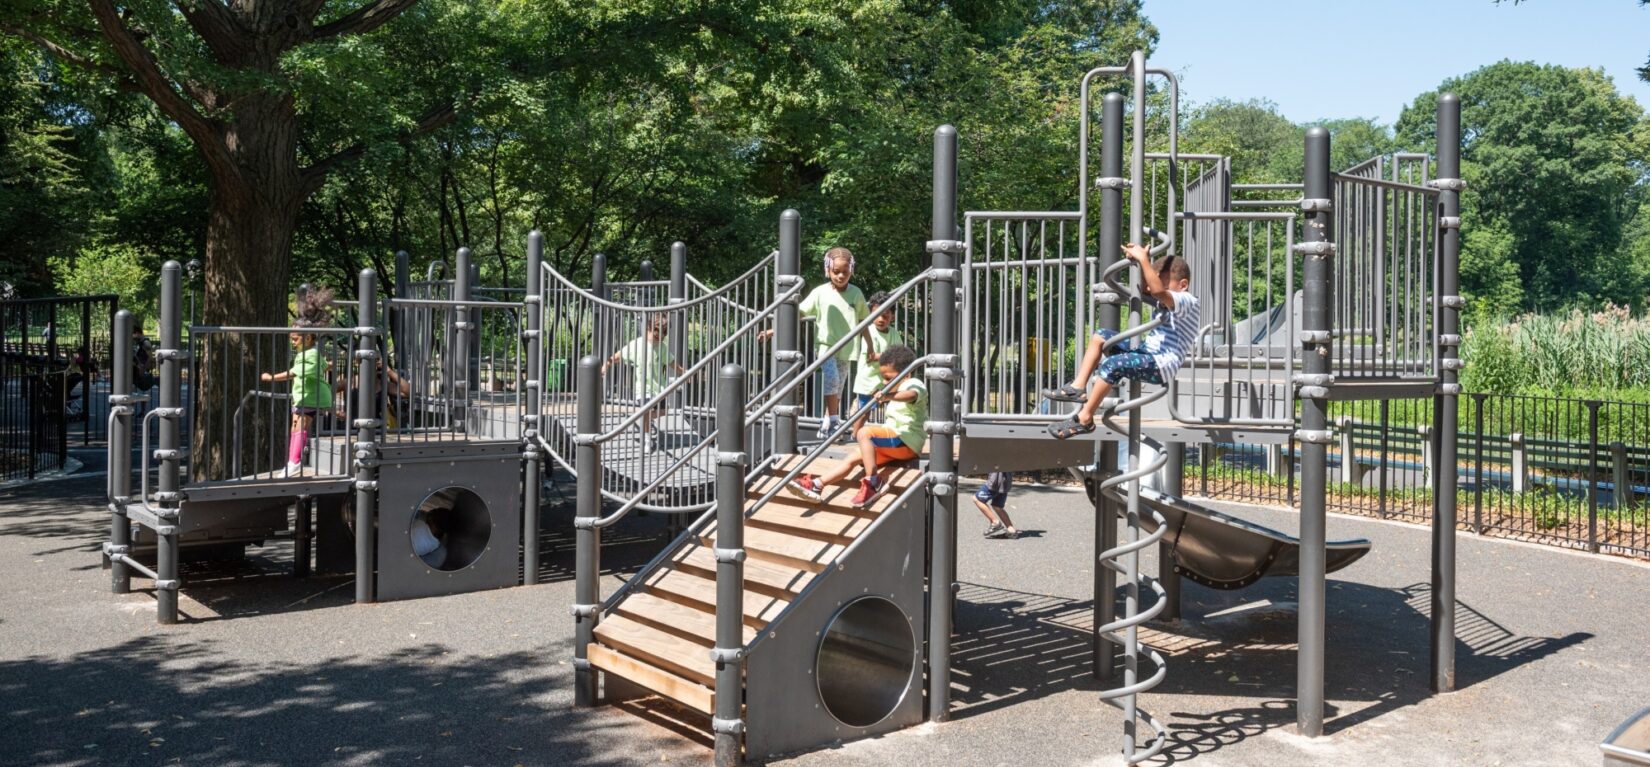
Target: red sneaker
[(808, 486), (870, 489)]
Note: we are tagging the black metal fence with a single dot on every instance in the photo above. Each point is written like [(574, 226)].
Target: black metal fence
[(1561, 471), (54, 380)]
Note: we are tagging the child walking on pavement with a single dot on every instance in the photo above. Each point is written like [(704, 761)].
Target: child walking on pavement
[(1155, 361), (992, 501), (899, 438)]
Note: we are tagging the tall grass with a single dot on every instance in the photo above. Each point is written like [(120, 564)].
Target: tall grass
[(1602, 351)]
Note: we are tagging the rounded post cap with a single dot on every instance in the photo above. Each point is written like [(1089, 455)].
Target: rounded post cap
[(1448, 97), (732, 371), (368, 273), (790, 214), (945, 131), (1113, 97), (1317, 133), (171, 265), (590, 361), (678, 245)]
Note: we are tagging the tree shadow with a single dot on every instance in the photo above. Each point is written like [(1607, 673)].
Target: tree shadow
[(1013, 646), (139, 702)]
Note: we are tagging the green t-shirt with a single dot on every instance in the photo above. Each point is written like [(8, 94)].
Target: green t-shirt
[(648, 363), (835, 312), (309, 383), (869, 376), (907, 418)]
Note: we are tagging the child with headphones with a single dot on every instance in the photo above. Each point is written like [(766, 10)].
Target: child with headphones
[(836, 307)]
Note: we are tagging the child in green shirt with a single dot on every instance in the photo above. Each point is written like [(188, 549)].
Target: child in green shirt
[(649, 359), (899, 438), (877, 339), (308, 374), (836, 307)]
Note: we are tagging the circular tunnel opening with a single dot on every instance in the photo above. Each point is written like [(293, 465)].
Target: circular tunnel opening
[(451, 528), (866, 659)]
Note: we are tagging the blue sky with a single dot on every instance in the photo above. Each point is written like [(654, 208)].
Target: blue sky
[(1369, 58)]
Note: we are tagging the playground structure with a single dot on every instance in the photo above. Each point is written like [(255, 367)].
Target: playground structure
[(787, 624)]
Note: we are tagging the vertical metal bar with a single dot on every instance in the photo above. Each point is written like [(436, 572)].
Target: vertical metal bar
[(365, 449), (646, 275), (587, 539), (463, 381), (170, 355), (1592, 476), (676, 295), (120, 453), (1109, 317), (942, 421), (1478, 464), (730, 568), (398, 317), (1168, 573), (533, 463), (81, 361), (1449, 300), (1319, 276), (786, 347)]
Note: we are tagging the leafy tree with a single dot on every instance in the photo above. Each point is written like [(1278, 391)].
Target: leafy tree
[(1550, 155)]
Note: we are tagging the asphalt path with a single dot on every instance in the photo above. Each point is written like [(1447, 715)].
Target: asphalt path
[(269, 669)]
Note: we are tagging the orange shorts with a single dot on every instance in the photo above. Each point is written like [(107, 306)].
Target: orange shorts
[(889, 446)]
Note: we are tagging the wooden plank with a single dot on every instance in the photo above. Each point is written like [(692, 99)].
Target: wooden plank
[(657, 648), (772, 579), (782, 549), (819, 524), (689, 623), (690, 694), (690, 590), (838, 498)]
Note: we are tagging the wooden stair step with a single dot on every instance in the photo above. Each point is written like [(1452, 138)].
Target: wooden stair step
[(684, 691), (782, 549), (668, 652), (689, 623), (767, 577), (697, 592), (818, 524)]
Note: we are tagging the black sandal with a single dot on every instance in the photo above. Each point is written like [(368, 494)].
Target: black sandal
[(1066, 393), (1068, 428)]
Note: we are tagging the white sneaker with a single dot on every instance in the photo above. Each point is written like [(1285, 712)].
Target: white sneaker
[(826, 425), (294, 469)]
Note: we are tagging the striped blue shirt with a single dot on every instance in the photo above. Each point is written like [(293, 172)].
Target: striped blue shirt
[(1168, 342)]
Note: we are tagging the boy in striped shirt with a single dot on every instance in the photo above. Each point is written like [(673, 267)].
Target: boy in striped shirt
[(1154, 361)]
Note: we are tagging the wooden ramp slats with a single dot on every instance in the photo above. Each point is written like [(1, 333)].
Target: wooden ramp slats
[(769, 578), (657, 648), (659, 637), (684, 691), (700, 593), (689, 623), (818, 524), (782, 549)]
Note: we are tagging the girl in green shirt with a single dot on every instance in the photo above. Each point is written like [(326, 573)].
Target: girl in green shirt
[(308, 374)]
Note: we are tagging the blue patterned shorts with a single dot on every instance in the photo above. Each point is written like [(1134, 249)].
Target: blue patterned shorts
[(830, 375), (1129, 361)]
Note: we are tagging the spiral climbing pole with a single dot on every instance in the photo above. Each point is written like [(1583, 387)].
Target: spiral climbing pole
[(1143, 667)]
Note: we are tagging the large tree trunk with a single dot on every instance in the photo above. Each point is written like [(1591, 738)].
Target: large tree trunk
[(250, 227)]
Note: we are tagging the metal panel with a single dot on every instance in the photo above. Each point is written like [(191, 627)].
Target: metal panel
[(783, 710), (409, 475)]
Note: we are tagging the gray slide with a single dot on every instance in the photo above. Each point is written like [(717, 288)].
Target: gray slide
[(1223, 552)]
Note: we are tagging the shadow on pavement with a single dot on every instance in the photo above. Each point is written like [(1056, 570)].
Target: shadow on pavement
[(1013, 646)]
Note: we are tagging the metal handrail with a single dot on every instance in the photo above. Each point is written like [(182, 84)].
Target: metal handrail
[(825, 444), (272, 395), (853, 334), (599, 301), (697, 367)]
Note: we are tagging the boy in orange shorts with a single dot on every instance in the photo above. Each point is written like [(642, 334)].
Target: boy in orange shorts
[(899, 438)]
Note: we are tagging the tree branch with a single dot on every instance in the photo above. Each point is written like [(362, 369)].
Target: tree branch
[(364, 19), (316, 174), (122, 79), (217, 27), (158, 87)]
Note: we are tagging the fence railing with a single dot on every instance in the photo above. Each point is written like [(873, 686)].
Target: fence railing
[(1563, 471), (67, 340)]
